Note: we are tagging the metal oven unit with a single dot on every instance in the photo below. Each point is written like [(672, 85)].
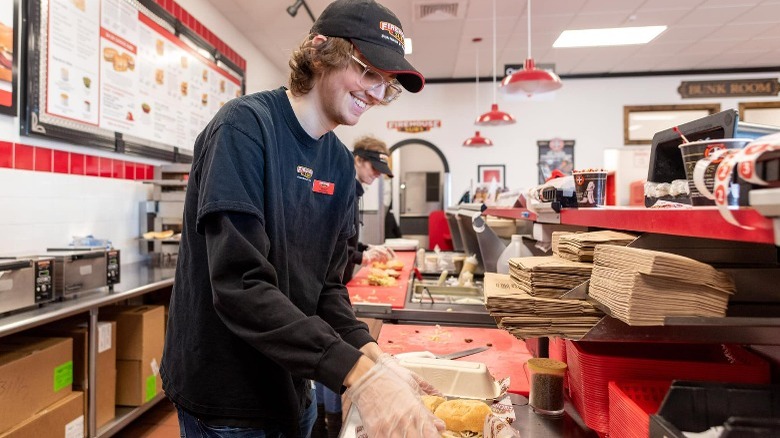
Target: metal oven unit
[(25, 282), (78, 271)]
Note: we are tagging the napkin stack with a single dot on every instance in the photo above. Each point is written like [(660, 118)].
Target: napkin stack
[(526, 316), (642, 287), (579, 247), (548, 277)]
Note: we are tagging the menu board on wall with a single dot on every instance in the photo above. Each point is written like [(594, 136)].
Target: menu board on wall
[(109, 67), (8, 17)]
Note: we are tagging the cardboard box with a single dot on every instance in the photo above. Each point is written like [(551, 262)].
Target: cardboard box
[(105, 373), (65, 418), (543, 232), (137, 382), (140, 337), (139, 331), (34, 373), (105, 378)]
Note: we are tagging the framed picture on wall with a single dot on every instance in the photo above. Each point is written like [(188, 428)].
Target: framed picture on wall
[(765, 113), (555, 155), (489, 173), (640, 123)]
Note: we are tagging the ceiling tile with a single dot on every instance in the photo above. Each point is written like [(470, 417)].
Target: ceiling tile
[(699, 31), (598, 20), (767, 12)]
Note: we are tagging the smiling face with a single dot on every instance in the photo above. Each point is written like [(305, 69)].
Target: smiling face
[(343, 98)]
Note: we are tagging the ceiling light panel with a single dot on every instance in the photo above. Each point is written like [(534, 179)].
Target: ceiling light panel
[(620, 36)]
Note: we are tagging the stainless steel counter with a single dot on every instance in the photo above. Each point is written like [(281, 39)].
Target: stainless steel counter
[(137, 279), (529, 424)]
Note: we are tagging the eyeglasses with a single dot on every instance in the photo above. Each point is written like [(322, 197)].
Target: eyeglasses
[(371, 80)]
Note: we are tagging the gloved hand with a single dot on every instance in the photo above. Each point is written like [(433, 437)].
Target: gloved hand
[(389, 407), (377, 253), (417, 383)]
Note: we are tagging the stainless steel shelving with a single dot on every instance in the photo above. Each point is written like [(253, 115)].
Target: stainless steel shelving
[(137, 279)]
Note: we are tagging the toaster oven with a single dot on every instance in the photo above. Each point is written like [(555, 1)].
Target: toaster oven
[(25, 282)]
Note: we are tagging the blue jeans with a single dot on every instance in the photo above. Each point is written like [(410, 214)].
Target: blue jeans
[(192, 427), (330, 399)]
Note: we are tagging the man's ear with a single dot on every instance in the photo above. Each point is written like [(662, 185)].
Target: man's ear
[(315, 42), (319, 39)]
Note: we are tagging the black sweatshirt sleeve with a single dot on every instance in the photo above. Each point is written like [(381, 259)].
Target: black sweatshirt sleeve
[(355, 255), (334, 305), (251, 306)]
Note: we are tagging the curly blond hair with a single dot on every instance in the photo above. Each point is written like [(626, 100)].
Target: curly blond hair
[(310, 60)]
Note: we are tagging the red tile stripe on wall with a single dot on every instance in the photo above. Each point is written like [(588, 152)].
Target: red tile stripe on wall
[(25, 157), (188, 20)]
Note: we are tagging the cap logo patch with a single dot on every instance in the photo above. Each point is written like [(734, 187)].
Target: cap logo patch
[(393, 30), (383, 158)]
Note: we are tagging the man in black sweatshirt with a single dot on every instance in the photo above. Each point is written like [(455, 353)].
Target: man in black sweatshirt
[(258, 308)]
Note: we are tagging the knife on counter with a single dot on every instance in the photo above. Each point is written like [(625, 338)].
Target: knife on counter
[(455, 355)]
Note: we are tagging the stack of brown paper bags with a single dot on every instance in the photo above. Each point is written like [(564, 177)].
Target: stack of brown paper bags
[(526, 317), (579, 247), (548, 277), (642, 287)]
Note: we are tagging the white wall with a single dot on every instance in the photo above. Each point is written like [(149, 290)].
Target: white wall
[(260, 74), (586, 110), (589, 111), (40, 210)]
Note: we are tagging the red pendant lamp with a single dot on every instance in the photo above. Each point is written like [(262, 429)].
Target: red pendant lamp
[(530, 80), (477, 141), (494, 117)]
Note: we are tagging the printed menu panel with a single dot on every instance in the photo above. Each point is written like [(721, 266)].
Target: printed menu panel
[(72, 60), (118, 72), (109, 65)]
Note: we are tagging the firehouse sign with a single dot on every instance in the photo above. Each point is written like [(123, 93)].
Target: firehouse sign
[(727, 88), (414, 126)]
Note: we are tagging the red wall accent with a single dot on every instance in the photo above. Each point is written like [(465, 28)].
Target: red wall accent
[(26, 157), (188, 20)]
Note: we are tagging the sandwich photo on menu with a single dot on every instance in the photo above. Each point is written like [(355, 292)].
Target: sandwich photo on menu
[(6, 52)]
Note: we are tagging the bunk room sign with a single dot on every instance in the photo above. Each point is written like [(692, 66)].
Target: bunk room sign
[(729, 88)]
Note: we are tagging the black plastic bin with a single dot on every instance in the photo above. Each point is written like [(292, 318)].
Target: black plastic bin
[(745, 410)]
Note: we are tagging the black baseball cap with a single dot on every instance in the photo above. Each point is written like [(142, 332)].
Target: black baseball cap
[(378, 160), (377, 34)]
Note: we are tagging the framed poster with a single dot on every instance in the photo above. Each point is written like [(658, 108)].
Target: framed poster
[(555, 155), (640, 123), (765, 113), (122, 75), (8, 56), (490, 173)]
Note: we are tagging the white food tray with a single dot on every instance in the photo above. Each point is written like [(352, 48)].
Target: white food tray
[(458, 379)]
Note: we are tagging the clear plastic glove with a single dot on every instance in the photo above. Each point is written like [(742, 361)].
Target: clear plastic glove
[(377, 253), (417, 383), (389, 407)]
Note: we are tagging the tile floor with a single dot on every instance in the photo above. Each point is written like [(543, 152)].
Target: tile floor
[(160, 421)]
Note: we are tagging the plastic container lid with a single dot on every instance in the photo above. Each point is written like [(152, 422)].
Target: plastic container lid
[(547, 366), (456, 378)]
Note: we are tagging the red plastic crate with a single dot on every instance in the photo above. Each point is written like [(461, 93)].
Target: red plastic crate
[(592, 365), (630, 404)]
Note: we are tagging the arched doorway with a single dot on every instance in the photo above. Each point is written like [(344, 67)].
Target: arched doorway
[(422, 184)]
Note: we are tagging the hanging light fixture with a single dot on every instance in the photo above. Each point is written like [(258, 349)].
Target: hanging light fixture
[(477, 140), (494, 117), (530, 79)]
